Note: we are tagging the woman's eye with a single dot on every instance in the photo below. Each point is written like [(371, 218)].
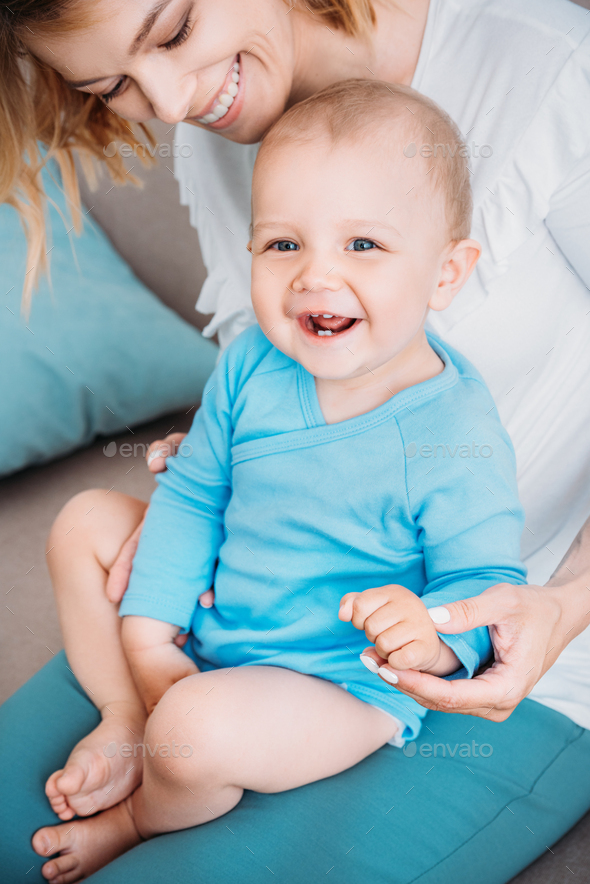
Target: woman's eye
[(285, 245), (361, 245), (180, 37), (108, 96)]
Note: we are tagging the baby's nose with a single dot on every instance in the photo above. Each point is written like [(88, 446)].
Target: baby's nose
[(317, 276)]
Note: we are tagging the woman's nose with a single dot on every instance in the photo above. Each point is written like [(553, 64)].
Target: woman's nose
[(170, 99)]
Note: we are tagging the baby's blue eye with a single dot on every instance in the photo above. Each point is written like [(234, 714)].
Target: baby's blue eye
[(285, 245), (361, 245)]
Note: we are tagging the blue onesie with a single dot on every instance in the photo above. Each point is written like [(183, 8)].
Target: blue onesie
[(284, 513)]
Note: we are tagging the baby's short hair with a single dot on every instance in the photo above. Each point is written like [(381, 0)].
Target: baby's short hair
[(355, 109)]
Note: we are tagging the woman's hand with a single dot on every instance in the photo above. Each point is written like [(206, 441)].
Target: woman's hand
[(528, 631), (120, 572), (161, 449)]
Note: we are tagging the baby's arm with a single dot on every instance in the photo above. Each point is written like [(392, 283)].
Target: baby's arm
[(184, 528), (465, 509), (397, 622), (156, 663)]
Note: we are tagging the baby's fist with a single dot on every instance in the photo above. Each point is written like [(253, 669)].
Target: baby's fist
[(397, 622)]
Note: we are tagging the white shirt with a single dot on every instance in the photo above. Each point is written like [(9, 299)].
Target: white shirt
[(516, 79)]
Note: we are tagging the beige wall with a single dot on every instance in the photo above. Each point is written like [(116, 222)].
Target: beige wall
[(151, 230)]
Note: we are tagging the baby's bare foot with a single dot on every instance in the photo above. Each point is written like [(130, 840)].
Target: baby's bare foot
[(97, 775), (85, 845)]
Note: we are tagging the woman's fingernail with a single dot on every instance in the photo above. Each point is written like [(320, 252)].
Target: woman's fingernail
[(157, 453), (369, 663), (388, 675), (439, 615)]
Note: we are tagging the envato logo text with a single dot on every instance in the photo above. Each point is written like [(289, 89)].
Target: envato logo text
[(449, 150), (462, 750), (142, 448), (164, 750), (143, 150), (441, 449)]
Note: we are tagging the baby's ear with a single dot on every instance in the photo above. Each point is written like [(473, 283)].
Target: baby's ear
[(455, 270)]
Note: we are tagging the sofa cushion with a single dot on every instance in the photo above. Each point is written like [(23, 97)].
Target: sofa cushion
[(97, 353)]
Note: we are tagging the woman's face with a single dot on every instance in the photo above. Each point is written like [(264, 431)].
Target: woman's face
[(183, 59)]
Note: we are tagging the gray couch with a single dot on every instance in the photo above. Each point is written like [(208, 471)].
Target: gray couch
[(164, 252)]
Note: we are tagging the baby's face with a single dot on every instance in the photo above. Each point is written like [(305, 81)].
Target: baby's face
[(348, 244)]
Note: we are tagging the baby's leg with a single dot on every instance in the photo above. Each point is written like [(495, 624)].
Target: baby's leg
[(211, 736), (83, 544)]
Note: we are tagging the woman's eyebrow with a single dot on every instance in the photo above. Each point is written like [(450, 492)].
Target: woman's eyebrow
[(147, 25), (140, 38)]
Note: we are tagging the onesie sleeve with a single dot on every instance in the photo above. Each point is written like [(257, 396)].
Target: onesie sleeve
[(464, 502), (184, 526)]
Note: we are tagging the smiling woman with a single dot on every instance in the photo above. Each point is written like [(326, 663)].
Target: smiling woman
[(46, 110)]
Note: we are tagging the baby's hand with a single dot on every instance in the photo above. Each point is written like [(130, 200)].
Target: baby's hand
[(155, 661), (397, 622)]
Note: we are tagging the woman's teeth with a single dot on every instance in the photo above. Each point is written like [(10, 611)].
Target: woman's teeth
[(224, 100)]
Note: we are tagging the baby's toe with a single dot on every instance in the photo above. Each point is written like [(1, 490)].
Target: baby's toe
[(62, 870), (51, 839), (65, 812), (51, 789), (71, 780)]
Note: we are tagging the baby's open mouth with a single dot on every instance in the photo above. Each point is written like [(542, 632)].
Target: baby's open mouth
[(327, 323)]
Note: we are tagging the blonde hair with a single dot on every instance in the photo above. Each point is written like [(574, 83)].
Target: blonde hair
[(354, 17), (42, 118)]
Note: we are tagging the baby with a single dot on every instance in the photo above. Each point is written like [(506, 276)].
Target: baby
[(348, 474)]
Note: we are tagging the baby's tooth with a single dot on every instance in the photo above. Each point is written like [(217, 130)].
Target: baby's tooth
[(202, 120), (226, 100), (210, 118), (220, 111), (328, 315), (235, 77), (232, 89), (237, 67)]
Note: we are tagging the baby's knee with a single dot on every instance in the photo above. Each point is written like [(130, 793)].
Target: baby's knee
[(90, 516), (70, 516), (189, 731)]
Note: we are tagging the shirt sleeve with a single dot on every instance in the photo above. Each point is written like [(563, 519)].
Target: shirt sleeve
[(568, 220), (568, 217), (184, 526), (464, 503)]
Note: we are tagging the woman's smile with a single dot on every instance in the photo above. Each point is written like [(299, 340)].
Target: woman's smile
[(225, 106)]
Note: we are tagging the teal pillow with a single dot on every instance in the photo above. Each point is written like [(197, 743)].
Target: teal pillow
[(98, 352)]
